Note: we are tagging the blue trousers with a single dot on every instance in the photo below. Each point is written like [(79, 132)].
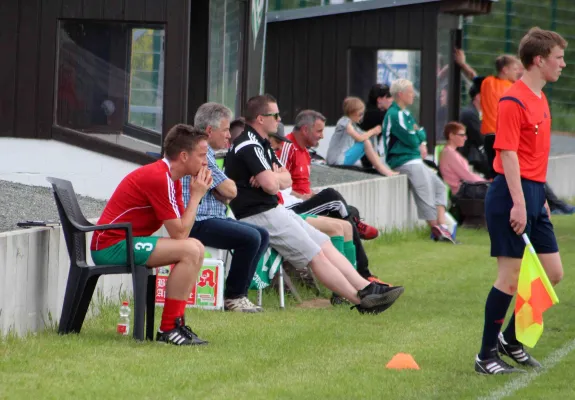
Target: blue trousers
[(249, 243)]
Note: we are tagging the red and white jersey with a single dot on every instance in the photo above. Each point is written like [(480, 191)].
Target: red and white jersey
[(297, 161), (146, 197)]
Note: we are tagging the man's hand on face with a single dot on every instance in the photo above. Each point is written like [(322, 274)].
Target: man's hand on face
[(201, 183)]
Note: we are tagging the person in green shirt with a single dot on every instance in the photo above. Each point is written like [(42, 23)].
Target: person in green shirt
[(405, 147)]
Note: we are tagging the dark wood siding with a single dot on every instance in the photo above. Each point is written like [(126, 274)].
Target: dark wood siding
[(307, 59), (9, 11), (200, 37)]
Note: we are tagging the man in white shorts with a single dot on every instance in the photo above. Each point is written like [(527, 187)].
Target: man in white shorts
[(405, 146), (259, 176)]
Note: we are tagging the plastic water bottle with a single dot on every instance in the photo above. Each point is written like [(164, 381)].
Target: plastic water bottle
[(123, 327)]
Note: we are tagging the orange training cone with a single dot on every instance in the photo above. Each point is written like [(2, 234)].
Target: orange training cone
[(402, 361)]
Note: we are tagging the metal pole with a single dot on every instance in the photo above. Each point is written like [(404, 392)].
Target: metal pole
[(553, 27), (508, 23)]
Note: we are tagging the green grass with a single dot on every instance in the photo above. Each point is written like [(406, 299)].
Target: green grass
[(330, 353)]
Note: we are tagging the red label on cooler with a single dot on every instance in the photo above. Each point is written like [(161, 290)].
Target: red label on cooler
[(122, 329)]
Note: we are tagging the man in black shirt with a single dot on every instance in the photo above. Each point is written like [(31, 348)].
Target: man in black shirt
[(473, 150), (259, 176), (378, 101)]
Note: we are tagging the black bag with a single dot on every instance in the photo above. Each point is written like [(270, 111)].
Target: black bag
[(468, 205), (472, 191)]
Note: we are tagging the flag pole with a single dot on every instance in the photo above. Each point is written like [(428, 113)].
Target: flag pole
[(528, 243)]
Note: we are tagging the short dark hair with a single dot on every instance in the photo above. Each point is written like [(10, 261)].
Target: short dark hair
[(378, 90), (238, 122), (258, 105), (182, 137), (475, 88), (503, 61), (539, 42), (452, 127)]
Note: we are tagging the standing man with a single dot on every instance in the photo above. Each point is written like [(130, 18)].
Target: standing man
[(509, 70), (259, 176), (470, 117), (515, 203), (212, 227), (149, 197)]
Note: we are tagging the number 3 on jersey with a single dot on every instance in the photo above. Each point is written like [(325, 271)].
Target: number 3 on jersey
[(144, 246)]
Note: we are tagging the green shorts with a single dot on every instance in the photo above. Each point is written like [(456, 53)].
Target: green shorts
[(118, 255), (306, 216)]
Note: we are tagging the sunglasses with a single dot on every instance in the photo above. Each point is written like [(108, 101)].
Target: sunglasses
[(275, 115), (461, 134)]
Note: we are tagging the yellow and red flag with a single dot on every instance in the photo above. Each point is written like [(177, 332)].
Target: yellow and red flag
[(535, 295)]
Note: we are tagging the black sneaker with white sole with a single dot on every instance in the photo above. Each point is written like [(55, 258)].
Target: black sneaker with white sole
[(181, 335), (494, 366), (375, 295), (517, 353)]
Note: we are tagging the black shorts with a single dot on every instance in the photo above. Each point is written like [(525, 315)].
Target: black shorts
[(504, 241)]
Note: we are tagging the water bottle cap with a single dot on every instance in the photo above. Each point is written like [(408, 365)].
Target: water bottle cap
[(125, 303)]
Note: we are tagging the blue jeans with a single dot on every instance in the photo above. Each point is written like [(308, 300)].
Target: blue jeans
[(248, 241)]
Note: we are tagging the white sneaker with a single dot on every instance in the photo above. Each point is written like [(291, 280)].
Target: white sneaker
[(242, 304)]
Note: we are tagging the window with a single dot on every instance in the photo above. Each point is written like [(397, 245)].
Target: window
[(401, 64), (111, 79), (146, 79), (224, 52)]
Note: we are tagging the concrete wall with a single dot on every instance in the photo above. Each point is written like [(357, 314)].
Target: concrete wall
[(34, 267), (560, 175), (30, 161), (34, 262)]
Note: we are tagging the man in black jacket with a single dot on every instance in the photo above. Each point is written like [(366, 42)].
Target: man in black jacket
[(473, 150), (378, 101)]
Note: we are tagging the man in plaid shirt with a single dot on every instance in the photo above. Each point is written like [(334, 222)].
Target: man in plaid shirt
[(212, 227)]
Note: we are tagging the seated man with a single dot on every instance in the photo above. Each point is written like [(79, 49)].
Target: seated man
[(405, 148), (294, 155), (236, 128), (453, 166), (213, 228), (253, 165), (149, 197)]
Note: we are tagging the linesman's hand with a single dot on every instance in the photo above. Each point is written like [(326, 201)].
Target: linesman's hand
[(518, 218)]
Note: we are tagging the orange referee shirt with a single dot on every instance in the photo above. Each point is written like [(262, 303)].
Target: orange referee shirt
[(492, 89), (524, 126)]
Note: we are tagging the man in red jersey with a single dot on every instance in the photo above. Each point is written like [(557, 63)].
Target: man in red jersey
[(309, 127), (293, 153), (515, 203), (149, 197)]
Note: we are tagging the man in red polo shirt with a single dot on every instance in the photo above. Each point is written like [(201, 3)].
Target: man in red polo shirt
[(308, 131), (515, 203)]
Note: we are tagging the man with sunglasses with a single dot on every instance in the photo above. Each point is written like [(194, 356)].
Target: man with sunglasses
[(259, 176)]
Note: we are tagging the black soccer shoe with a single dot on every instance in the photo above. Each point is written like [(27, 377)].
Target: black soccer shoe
[(374, 295), (517, 353), (181, 335), (337, 300), (373, 311), (494, 366)]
